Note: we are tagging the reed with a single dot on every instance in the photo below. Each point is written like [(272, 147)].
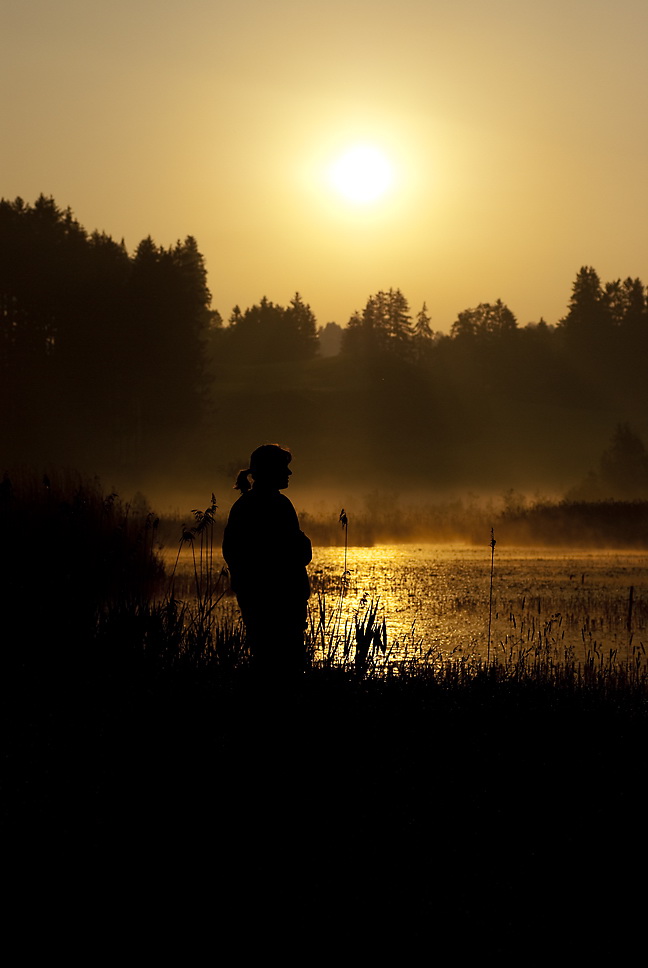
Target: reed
[(490, 596), (357, 644), (344, 521), (209, 578)]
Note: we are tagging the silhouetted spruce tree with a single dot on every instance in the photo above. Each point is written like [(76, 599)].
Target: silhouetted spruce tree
[(384, 326), (422, 329), (597, 344), (634, 309), (621, 344), (614, 298), (41, 251), (398, 320), (633, 336), (169, 317), (588, 317), (89, 356), (43, 263), (359, 337), (302, 328), (422, 336)]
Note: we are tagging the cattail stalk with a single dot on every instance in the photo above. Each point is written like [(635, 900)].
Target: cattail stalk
[(344, 521)]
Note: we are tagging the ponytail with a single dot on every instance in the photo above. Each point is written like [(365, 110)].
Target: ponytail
[(242, 483)]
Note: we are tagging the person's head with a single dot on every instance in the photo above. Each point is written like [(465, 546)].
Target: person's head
[(268, 467)]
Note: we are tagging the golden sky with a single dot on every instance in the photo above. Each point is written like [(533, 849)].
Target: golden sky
[(515, 131)]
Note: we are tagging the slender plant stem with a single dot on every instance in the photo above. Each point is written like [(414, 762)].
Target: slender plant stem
[(344, 521), (490, 597)]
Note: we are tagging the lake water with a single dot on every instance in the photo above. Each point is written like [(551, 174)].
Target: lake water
[(438, 598)]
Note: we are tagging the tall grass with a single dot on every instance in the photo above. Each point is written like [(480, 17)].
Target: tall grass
[(357, 642), (192, 635), (209, 584)]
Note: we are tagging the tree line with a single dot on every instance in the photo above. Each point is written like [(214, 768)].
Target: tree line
[(119, 354), (95, 343)]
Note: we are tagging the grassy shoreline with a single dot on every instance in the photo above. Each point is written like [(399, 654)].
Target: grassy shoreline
[(447, 811)]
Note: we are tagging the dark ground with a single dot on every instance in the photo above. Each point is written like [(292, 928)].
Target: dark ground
[(205, 819)]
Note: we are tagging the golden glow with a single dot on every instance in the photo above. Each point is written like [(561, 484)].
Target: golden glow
[(244, 150), (362, 174)]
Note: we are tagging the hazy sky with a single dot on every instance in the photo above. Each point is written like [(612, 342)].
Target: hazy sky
[(517, 133)]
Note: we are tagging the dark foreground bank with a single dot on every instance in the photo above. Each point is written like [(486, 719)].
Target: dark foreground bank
[(340, 814)]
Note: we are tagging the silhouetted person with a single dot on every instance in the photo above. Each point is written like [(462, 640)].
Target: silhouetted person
[(267, 553)]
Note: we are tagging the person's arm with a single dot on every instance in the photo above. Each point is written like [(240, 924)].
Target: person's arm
[(302, 543), (234, 545), (306, 548)]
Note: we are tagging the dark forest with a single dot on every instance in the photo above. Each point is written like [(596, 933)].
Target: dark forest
[(117, 364)]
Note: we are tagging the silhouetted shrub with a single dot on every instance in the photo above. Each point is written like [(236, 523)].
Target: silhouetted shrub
[(69, 553)]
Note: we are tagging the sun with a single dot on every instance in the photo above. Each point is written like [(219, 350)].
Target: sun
[(362, 174)]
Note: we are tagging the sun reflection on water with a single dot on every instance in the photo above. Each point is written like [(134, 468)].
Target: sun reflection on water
[(570, 602)]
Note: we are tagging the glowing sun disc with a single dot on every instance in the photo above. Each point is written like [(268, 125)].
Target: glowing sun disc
[(362, 174)]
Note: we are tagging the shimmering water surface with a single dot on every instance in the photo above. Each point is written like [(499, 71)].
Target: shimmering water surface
[(567, 600), (568, 603)]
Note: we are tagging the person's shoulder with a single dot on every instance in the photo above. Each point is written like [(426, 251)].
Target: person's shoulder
[(286, 512), (285, 503), (240, 505)]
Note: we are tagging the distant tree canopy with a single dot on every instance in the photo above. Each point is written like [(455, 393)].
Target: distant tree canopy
[(269, 333), (385, 327), (485, 321)]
